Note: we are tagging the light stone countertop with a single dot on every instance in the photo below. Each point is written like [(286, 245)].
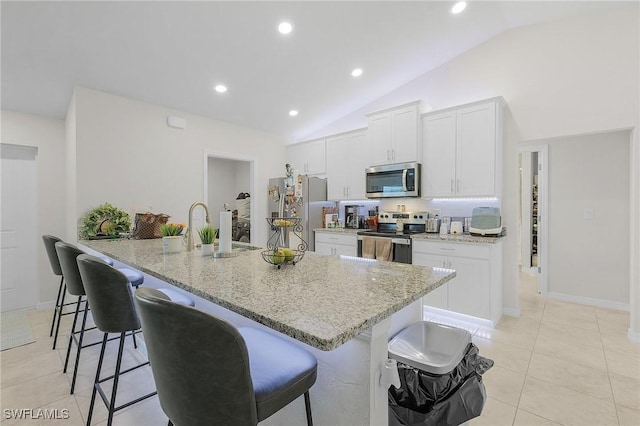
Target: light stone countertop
[(462, 238), (323, 301), (344, 231)]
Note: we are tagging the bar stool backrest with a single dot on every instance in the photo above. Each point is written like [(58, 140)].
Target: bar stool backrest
[(109, 294), (200, 363), (50, 245), (67, 254)]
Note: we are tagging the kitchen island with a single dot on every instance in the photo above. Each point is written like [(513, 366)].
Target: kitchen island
[(345, 309)]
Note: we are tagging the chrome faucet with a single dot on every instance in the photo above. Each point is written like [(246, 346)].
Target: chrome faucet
[(190, 243)]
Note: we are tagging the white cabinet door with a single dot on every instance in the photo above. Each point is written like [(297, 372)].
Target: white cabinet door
[(337, 168), (297, 157), (405, 135), (345, 250), (308, 158), (439, 155), (316, 158), (437, 298), (359, 158), (380, 131), (462, 153), (476, 154), (469, 291), (323, 248)]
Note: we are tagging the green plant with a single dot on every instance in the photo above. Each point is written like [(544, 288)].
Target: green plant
[(171, 229), (207, 234), (104, 219)]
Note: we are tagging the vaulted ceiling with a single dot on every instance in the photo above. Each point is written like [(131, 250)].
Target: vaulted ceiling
[(173, 53)]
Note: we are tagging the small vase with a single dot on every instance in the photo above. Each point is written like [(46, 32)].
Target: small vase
[(172, 244), (206, 249)]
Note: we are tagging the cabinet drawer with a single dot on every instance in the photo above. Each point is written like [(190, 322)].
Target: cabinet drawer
[(324, 237), (474, 251)]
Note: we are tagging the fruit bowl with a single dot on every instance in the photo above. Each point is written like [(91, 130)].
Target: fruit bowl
[(282, 256), (283, 222)]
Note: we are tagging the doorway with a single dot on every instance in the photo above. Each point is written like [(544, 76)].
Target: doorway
[(18, 227), (229, 184), (534, 190)]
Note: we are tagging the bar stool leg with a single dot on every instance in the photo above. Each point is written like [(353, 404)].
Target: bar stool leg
[(58, 306), (114, 392), (73, 330), (95, 382), (59, 312), (75, 368), (307, 406)]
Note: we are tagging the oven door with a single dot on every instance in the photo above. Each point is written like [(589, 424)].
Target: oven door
[(401, 248), (393, 180)]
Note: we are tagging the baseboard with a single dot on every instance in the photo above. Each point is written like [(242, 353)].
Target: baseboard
[(456, 317), (607, 304), (46, 305), (512, 312), (633, 336)]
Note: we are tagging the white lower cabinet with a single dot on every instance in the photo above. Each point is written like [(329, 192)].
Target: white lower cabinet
[(332, 243), (477, 288)]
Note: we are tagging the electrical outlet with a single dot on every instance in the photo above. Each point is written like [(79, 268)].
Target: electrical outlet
[(588, 214)]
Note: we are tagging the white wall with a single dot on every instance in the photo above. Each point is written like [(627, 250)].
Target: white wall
[(588, 258), (128, 156), (47, 134), (568, 77)]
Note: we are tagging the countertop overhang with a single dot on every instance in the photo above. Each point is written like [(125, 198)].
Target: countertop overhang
[(323, 301)]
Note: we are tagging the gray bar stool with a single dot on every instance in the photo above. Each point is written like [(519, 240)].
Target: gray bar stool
[(58, 311), (67, 255), (209, 372), (109, 293)]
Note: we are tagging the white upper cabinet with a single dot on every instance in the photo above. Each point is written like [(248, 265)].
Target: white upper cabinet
[(348, 155), (394, 135), (462, 154), (308, 158)]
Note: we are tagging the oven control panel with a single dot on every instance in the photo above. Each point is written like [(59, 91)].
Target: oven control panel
[(406, 217)]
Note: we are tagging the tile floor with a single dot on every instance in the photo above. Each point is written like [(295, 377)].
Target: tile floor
[(559, 363)]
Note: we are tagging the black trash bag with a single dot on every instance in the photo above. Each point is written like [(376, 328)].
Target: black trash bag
[(442, 399)]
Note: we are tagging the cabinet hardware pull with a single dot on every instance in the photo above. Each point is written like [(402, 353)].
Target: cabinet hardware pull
[(452, 186), (393, 154), (448, 249), (444, 263), (457, 185)]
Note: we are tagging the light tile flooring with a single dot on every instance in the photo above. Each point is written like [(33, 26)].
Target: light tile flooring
[(559, 363)]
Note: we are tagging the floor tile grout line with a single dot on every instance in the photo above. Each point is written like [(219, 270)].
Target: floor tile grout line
[(526, 374), (606, 363)]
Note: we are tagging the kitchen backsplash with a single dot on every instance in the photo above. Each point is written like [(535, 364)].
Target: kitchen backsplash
[(451, 208)]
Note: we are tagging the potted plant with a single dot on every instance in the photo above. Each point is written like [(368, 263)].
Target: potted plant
[(104, 221), (207, 236), (171, 238)]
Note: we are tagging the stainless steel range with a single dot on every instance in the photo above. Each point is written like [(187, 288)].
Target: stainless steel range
[(399, 226)]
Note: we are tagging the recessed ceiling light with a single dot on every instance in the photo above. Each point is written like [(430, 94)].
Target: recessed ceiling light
[(220, 88), (458, 7), (356, 72), (285, 27), (293, 113)]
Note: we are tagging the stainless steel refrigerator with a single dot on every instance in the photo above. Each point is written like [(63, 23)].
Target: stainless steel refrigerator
[(298, 196)]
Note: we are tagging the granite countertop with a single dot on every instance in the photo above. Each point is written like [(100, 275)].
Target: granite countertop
[(345, 231), (461, 238), (323, 301)]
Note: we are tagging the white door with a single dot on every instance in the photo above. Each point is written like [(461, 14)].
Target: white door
[(18, 228)]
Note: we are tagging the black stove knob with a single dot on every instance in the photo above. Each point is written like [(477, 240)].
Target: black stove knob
[(415, 216)]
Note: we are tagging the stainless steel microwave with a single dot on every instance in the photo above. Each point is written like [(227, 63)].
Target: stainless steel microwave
[(393, 180)]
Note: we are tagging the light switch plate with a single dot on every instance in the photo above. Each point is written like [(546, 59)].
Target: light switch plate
[(588, 214)]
